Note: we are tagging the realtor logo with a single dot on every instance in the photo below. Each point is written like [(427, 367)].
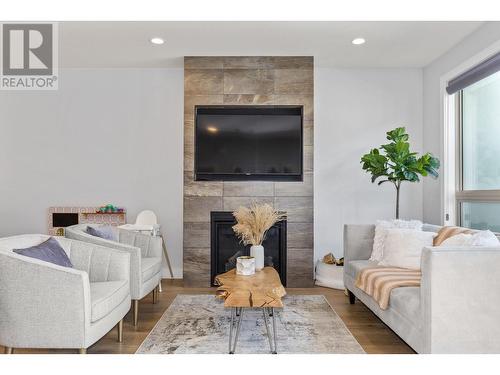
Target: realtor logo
[(29, 56)]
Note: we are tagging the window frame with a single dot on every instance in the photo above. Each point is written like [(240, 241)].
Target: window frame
[(461, 195), (448, 140)]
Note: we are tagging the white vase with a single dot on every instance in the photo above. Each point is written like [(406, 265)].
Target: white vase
[(245, 266), (257, 251)]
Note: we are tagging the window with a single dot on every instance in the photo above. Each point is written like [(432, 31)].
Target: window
[(478, 185), (480, 215)]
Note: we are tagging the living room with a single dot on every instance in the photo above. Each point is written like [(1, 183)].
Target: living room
[(198, 186)]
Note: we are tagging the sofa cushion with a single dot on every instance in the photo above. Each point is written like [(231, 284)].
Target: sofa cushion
[(106, 296), (447, 232), (403, 247), (406, 302), (381, 228), (150, 267), (352, 267)]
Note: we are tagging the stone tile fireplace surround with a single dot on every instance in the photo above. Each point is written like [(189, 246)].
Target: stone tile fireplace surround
[(248, 81)]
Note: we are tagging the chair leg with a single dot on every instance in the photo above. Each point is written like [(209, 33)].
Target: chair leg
[(136, 311), (159, 286), (156, 294), (82, 351), (352, 297), (120, 330), (9, 350)]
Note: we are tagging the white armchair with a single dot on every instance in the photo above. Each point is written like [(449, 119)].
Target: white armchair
[(43, 305), (145, 259)]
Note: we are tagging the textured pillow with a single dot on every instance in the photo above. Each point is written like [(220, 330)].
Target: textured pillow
[(381, 230), (484, 238), (403, 247), (461, 239), (106, 232), (447, 232), (48, 251)]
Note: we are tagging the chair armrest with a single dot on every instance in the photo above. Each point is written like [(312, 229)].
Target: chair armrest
[(76, 233), (358, 241), (42, 304), (150, 245), (156, 247), (101, 263), (460, 299)]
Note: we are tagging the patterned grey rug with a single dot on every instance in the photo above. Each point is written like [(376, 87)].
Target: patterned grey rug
[(199, 324)]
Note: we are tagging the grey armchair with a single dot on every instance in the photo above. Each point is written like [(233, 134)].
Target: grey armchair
[(43, 305), (145, 259)]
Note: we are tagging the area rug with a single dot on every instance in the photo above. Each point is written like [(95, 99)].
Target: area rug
[(199, 324)]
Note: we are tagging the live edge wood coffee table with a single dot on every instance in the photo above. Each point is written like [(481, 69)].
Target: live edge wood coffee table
[(262, 290)]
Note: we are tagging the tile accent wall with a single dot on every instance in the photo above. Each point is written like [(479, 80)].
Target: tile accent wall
[(248, 80)]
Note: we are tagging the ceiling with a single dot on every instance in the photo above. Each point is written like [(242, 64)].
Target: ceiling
[(388, 44)]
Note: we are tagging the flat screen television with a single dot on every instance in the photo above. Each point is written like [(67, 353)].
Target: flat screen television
[(248, 143)]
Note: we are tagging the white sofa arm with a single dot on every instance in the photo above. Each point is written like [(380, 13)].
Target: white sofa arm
[(41, 304), (460, 299)]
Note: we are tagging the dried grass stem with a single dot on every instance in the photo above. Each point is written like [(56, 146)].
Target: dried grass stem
[(253, 222)]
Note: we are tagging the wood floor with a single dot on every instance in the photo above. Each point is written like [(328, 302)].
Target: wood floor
[(373, 335)]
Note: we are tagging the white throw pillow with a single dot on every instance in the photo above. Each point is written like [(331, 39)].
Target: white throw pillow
[(403, 247), (381, 228), (462, 239), (482, 238)]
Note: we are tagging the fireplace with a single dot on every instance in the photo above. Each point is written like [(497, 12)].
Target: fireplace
[(225, 247)]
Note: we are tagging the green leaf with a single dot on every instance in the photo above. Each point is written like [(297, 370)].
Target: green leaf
[(396, 162), (398, 134)]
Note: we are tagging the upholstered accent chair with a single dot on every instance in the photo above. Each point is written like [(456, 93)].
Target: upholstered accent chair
[(145, 259), (43, 305)]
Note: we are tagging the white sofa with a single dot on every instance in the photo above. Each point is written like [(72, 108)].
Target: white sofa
[(455, 310), (43, 305), (145, 258)]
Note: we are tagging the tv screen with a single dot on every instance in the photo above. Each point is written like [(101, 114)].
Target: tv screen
[(248, 143), (64, 219)]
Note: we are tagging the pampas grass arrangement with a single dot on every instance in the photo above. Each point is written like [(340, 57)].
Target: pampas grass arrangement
[(253, 222)]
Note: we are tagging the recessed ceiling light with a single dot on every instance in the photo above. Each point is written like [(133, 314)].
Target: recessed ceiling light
[(358, 41), (157, 41)]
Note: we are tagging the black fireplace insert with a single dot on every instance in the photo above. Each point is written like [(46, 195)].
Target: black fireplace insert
[(225, 247)]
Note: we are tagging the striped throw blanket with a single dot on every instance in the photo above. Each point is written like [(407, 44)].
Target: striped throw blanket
[(378, 282)]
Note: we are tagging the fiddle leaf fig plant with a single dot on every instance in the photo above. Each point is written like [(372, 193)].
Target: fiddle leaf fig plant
[(395, 163)]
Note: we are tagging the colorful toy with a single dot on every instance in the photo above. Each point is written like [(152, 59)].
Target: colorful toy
[(109, 208)]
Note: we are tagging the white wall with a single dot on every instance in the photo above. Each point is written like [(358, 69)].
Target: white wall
[(120, 131), (433, 142), (354, 108), (106, 136)]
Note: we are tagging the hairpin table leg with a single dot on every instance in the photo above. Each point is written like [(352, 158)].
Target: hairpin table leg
[(268, 332), (236, 318), (274, 330)]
